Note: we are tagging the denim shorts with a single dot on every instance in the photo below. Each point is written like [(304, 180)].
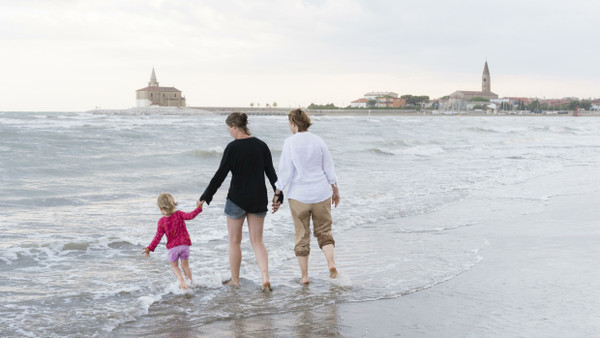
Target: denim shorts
[(232, 210)]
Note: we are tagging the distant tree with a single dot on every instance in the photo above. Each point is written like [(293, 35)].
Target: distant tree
[(251, 104), (534, 106), (574, 104), (371, 103), (415, 101), (586, 104), (267, 105), (479, 99), (505, 106), (322, 106), (275, 104)]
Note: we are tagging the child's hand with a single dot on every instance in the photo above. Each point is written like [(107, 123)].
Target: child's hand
[(146, 252), (199, 204)]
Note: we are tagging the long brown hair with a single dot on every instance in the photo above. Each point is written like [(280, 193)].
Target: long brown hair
[(239, 120)]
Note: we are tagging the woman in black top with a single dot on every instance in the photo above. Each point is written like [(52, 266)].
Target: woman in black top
[(248, 159)]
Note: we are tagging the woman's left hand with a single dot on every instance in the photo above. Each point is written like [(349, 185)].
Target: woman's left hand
[(335, 197)]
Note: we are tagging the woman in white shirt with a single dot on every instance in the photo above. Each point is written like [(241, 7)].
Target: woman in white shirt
[(306, 170)]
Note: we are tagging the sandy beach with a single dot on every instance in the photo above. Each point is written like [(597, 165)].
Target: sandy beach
[(538, 278)]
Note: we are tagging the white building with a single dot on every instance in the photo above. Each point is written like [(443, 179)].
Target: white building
[(360, 103)]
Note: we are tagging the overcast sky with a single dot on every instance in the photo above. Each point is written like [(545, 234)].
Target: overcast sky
[(67, 55)]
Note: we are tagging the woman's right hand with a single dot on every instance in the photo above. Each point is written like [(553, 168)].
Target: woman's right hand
[(276, 206), (276, 203)]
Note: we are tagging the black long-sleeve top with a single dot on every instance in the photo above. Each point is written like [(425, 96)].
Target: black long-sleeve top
[(248, 160)]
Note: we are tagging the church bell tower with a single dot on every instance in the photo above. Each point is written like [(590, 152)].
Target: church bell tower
[(486, 81), (154, 83)]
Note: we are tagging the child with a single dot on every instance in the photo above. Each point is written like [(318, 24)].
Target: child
[(178, 238)]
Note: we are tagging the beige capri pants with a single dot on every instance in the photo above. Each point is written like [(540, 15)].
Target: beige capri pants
[(321, 217)]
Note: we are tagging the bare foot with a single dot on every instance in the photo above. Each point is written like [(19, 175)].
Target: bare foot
[(305, 281), (266, 286), (333, 273), (182, 285), (229, 282)]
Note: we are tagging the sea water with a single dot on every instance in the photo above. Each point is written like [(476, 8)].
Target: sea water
[(78, 204)]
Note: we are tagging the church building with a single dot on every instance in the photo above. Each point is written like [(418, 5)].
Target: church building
[(154, 95), (462, 99)]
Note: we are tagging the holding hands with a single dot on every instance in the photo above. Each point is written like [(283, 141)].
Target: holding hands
[(277, 200)]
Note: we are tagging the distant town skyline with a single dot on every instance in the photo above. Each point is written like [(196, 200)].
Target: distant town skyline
[(77, 55)]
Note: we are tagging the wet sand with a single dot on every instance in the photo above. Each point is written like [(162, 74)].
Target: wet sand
[(539, 277)]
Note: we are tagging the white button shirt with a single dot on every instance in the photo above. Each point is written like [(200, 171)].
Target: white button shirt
[(306, 167)]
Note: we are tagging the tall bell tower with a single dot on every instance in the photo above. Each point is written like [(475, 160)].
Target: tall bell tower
[(154, 83), (486, 81)]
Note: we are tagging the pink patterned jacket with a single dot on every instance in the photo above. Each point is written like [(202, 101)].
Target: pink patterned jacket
[(174, 227)]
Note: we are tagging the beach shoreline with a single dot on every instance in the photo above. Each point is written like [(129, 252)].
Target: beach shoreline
[(536, 278)]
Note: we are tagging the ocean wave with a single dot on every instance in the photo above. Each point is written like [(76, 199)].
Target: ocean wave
[(572, 130), (76, 246), (211, 152), (496, 130), (466, 267), (522, 140), (424, 150)]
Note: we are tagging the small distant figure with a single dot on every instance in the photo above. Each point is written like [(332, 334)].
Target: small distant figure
[(178, 239)]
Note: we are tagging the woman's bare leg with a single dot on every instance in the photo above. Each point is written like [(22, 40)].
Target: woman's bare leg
[(303, 262), (255, 227), (328, 252), (234, 226)]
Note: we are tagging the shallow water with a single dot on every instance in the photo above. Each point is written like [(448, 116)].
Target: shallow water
[(78, 194)]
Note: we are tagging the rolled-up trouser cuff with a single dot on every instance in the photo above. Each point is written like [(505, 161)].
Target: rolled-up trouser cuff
[(302, 252), (325, 239)]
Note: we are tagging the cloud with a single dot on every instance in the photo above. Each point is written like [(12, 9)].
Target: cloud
[(101, 51)]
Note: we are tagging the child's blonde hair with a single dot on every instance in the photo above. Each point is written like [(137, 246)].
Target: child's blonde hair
[(167, 203)]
